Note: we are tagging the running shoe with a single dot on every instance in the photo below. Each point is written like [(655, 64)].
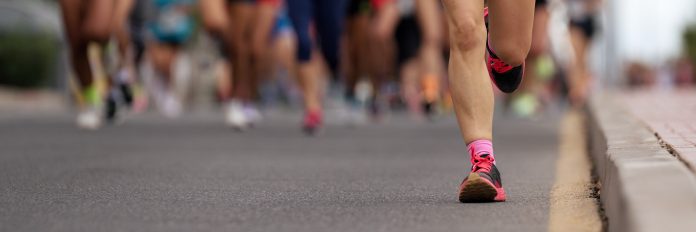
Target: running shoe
[(430, 85), (483, 183), (235, 116), (118, 101), (507, 78), (377, 107), (253, 113), (312, 122), (89, 118), (90, 115), (354, 112)]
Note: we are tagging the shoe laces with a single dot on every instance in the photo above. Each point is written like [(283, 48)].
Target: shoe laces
[(482, 162), (498, 65)]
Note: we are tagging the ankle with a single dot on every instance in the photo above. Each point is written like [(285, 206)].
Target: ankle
[(480, 147)]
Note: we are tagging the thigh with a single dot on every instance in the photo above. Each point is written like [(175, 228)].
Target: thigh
[(240, 14), (213, 14), (428, 15), (511, 22), (72, 12), (122, 11), (264, 19), (98, 18)]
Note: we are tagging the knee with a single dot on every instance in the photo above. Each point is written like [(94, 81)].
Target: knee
[(512, 52), (99, 34), (467, 33), (259, 47), (215, 26)]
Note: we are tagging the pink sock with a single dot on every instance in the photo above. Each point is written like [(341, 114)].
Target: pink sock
[(479, 147)]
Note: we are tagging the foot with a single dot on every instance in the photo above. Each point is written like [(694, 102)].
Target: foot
[(377, 108), (170, 105), (312, 122), (118, 102), (428, 110), (235, 116), (355, 112), (483, 183), (89, 118), (252, 114), (507, 78)]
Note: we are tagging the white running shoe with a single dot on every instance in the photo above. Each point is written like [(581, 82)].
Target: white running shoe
[(355, 113), (235, 116), (89, 118), (252, 113), (171, 106)]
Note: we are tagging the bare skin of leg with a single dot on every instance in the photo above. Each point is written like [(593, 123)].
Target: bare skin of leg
[(162, 57), (380, 50), (511, 28), (85, 22), (410, 86), (223, 72), (310, 78), (579, 75), (72, 18), (123, 9), (356, 51), (98, 20), (241, 24), (380, 54), (511, 23), (471, 88), (430, 58), (264, 19), (283, 53), (217, 22), (538, 47)]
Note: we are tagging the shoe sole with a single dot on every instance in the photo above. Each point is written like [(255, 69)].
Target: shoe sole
[(478, 189)]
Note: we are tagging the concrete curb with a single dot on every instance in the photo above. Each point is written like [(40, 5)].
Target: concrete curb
[(32, 101), (643, 186)]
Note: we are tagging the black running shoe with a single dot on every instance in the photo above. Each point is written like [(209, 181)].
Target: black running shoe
[(507, 78)]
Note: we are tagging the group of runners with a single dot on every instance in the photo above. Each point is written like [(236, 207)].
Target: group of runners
[(336, 44)]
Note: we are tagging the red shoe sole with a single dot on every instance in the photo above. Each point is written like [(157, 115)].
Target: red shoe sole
[(478, 189)]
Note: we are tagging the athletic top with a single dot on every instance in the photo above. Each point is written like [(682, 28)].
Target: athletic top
[(173, 22)]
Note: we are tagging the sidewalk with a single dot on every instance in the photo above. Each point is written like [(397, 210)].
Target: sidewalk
[(31, 101), (672, 116), (643, 144)]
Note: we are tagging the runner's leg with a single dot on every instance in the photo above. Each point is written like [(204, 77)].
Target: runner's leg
[(510, 29), (72, 19), (300, 13), (241, 13), (468, 79), (430, 56)]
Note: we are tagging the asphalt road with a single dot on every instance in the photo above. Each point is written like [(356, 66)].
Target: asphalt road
[(193, 174)]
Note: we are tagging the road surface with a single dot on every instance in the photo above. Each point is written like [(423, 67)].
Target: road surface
[(193, 174)]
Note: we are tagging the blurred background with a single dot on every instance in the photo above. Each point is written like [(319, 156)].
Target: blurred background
[(637, 43)]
